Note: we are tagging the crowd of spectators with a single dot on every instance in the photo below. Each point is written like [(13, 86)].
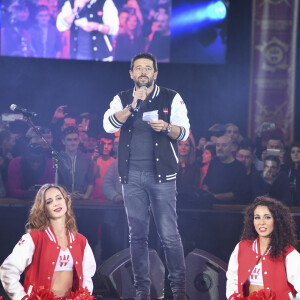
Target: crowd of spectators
[(86, 29), (223, 167)]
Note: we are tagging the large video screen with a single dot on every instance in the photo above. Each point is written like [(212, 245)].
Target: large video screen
[(115, 30)]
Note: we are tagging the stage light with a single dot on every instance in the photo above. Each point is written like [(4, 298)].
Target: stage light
[(217, 11), (191, 17)]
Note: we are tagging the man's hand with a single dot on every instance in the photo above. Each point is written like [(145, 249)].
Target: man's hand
[(159, 125), (140, 94), (80, 4), (84, 125), (90, 26), (59, 113), (118, 198)]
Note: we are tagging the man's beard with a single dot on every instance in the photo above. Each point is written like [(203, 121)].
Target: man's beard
[(148, 84)]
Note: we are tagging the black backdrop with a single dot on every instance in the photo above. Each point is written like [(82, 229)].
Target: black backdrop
[(213, 93)]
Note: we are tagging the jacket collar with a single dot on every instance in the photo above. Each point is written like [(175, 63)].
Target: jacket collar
[(256, 248), (51, 235)]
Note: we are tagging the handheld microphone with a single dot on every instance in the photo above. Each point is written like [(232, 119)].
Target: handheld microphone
[(139, 101), (22, 110)]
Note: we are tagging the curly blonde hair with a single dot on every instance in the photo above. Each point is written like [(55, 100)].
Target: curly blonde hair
[(38, 219)]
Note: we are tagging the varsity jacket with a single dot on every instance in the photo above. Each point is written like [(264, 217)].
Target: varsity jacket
[(100, 11), (37, 253), (171, 109), (281, 276)]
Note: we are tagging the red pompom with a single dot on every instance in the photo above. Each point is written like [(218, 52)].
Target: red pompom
[(45, 294), (260, 295), (81, 294), (236, 296), (41, 294)]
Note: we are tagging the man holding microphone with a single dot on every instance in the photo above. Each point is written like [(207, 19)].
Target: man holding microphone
[(152, 119), (91, 23)]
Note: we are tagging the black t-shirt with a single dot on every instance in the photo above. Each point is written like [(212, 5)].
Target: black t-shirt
[(225, 178), (141, 150), (279, 189)]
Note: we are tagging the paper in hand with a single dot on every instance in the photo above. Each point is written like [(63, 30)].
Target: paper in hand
[(150, 116), (81, 22)]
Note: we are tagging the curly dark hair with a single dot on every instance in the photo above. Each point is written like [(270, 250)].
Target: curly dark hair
[(284, 233)]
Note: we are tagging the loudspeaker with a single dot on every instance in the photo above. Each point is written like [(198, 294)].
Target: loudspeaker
[(117, 272), (206, 276)]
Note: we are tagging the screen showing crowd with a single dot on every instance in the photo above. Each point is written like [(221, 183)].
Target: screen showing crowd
[(109, 30)]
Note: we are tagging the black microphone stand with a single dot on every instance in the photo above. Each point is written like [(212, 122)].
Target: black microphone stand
[(56, 157)]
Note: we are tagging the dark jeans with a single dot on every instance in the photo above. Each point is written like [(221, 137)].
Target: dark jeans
[(141, 194)]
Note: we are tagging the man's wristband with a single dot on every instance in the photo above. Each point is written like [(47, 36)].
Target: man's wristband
[(168, 129), (130, 108)]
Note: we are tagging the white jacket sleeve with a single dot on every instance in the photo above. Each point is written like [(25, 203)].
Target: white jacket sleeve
[(232, 273), (61, 24), (111, 17), (110, 123), (88, 267), (179, 117), (14, 265), (292, 264)]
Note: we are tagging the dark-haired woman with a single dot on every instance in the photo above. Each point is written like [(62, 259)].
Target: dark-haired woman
[(292, 168), (208, 154), (57, 260), (265, 261)]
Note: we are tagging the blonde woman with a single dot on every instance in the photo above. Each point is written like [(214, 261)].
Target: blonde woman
[(54, 256)]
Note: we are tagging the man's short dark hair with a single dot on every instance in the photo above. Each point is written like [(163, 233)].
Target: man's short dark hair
[(146, 56), (34, 148), (247, 144), (69, 130), (276, 138), (105, 135), (42, 8), (273, 158)]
